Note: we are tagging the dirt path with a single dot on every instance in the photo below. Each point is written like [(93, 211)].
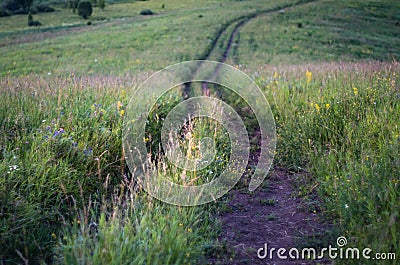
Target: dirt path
[(270, 215)]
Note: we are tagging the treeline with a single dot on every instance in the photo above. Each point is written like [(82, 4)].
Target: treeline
[(15, 7)]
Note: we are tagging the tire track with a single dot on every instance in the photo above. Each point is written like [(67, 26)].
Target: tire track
[(238, 22)]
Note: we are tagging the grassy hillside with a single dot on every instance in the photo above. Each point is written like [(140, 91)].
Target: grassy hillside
[(322, 31), (328, 68)]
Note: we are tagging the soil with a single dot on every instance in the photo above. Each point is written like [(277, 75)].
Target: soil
[(271, 215)]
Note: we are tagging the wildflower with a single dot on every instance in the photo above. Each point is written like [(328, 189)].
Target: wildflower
[(276, 75), (309, 76), (346, 206), (180, 224), (317, 107), (56, 133), (355, 90), (119, 105), (121, 113), (53, 236), (13, 167), (327, 105), (146, 139), (189, 230), (88, 151)]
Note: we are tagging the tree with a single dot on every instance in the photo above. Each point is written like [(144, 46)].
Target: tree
[(85, 9), (25, 4), (101, 4)]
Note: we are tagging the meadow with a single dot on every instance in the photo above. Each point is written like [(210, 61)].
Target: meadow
[(329, 70)]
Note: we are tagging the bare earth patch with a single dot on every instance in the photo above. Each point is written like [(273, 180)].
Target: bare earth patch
[(269, 215)]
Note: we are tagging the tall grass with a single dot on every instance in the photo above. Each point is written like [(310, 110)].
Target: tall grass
[(66, 194), (340, 122)]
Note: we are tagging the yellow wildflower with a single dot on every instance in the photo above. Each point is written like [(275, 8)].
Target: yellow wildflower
[(189, 230), (327, 105), (119, 105), (53, 236), (276, 75), (121, 113), (355, 90), (317, 107), (309, 76)]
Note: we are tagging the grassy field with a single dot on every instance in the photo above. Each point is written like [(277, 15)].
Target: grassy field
[(328, 68)]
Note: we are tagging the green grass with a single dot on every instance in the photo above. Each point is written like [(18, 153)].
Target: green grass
[(341, 123), (64, 185), (135, 43), (330, 31), (66, 195)]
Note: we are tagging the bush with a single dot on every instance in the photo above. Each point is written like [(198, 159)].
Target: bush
[(146, 12), (15, 7), (4, 12), (43, 8), (85, 9)]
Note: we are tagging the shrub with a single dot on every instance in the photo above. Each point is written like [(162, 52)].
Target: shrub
[(146, 12), (43, 8), (4, 12), (14, 7), (85, 9), (17, 6)]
